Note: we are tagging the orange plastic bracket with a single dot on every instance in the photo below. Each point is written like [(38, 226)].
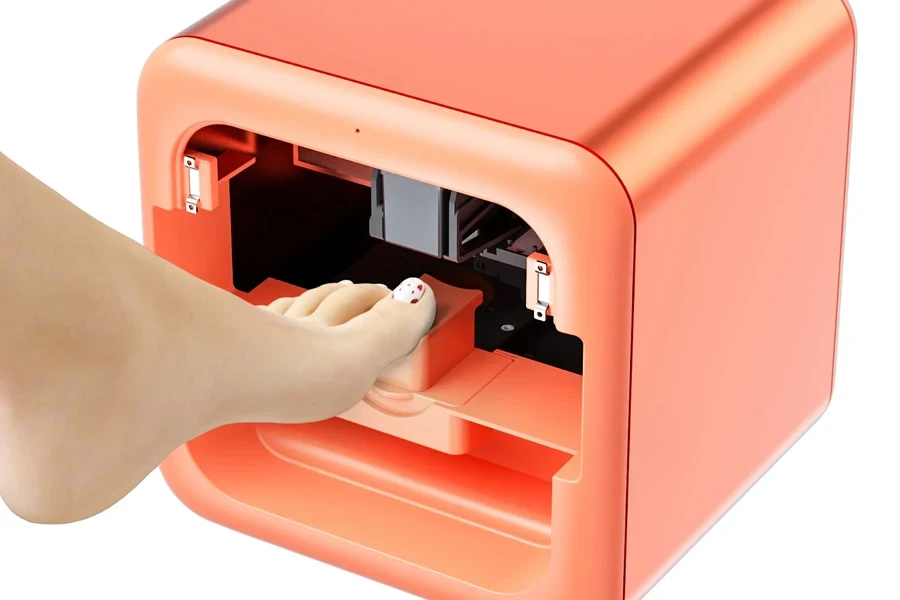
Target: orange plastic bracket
[(204, 174)]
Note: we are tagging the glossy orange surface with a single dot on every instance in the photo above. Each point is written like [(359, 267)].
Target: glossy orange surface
[(736, 297), (564, 69), (685, 165)]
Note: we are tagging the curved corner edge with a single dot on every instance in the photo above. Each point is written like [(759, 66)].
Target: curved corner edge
[(190, 485), (851, 17)]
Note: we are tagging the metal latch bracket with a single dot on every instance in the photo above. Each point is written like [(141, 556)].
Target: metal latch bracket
[(539, 286)]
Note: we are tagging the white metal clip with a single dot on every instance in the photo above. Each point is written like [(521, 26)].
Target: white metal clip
[(193, 176), (542, 272)]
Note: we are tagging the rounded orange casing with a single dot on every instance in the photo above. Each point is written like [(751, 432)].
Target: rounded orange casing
[(684, 164)]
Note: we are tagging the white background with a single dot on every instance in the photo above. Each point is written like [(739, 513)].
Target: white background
[(823, 523)]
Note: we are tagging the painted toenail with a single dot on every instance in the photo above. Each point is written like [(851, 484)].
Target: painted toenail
[(411, 290)]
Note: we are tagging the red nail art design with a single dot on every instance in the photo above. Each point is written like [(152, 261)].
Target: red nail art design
[(411, 291)]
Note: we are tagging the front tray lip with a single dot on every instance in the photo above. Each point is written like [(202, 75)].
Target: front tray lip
[(200, 495), (280, 455)]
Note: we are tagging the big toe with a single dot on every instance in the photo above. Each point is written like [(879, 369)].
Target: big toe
[(397, 323)]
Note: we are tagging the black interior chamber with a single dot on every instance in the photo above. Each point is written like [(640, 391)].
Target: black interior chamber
[(309, 228)]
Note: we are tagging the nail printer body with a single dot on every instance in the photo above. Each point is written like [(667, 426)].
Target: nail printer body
[(631, 213)]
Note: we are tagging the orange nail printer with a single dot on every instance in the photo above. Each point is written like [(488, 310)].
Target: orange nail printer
[(631, 214)]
